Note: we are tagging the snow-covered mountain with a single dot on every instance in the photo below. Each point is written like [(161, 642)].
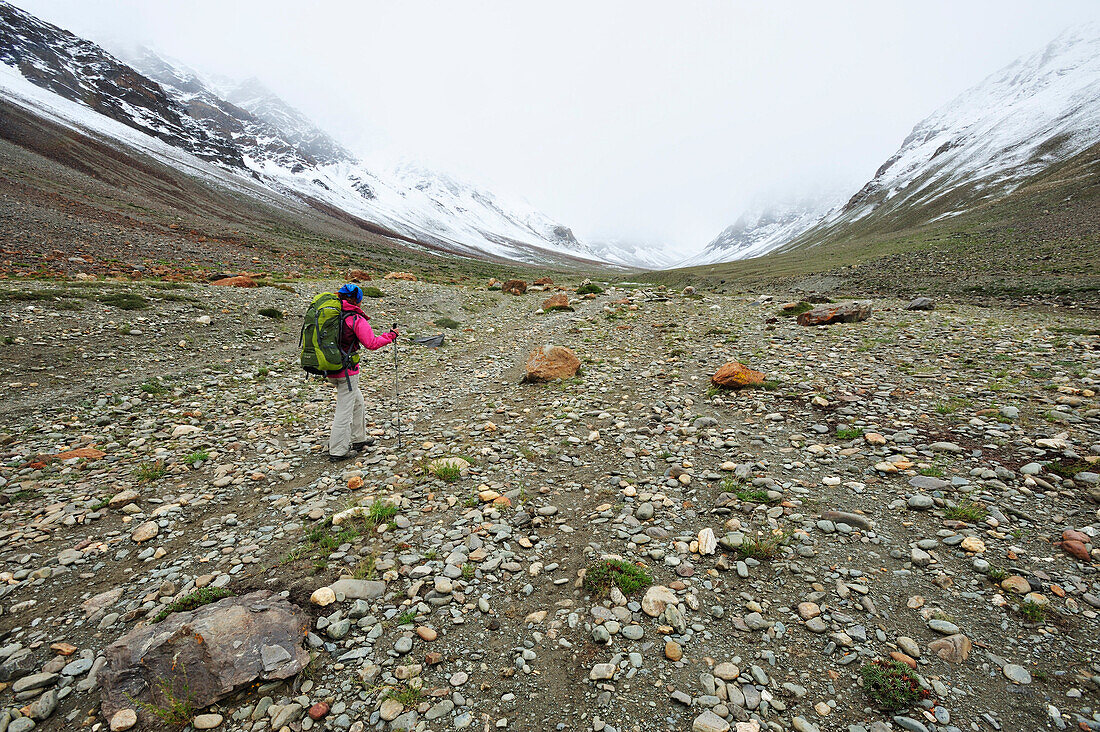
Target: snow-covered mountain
[(1033, 113), (630, 253), (759, 231), (1037, 111), (246, 131)]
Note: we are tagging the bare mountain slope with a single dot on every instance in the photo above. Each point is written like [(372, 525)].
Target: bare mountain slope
[(261, 140)]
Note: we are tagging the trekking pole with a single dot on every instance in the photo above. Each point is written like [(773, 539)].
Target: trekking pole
[(396, 393)]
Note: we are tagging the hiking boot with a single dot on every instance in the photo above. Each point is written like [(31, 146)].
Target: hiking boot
[(341, 458), (361, 445)]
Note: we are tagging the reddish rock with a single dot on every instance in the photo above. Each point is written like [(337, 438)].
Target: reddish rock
[(433, 658), (849, 312), (318, 711), (557, 302), (514, 287), (359, 275), (89, 453), (543, 281), (735, 376), (907, 660), (238, 281), (1075, 535), (1076, 549), (407, 276), (551, 362)]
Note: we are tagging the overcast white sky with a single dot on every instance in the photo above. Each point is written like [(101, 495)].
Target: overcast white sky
[(655, 121)]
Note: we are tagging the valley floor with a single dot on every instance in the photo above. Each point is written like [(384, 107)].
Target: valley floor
[(958, 445)]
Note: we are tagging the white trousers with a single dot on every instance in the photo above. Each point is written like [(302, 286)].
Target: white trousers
[(348, 424)]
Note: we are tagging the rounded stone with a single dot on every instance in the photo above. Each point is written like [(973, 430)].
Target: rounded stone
[(207, 721), (123, 719), (920, 502), (1016, 674), (145, 531)]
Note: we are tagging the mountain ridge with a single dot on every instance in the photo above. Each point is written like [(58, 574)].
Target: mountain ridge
[(1039, 110), (276, 146)]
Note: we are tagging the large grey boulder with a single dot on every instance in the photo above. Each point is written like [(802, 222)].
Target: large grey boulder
[(205, 654), (921, 303)]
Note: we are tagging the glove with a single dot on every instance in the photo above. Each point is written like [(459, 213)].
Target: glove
[(394, 333)]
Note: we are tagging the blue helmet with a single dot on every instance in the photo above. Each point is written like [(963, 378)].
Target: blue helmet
[(350, 292)]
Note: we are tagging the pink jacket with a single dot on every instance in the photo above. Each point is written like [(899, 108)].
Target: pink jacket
[(360, 333)]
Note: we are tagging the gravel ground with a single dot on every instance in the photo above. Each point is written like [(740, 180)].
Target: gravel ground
[(900, 487)]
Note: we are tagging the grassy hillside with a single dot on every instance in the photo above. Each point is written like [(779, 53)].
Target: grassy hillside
[(1041, 241)]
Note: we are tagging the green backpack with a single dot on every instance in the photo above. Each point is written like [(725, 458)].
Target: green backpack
[(321, 334)]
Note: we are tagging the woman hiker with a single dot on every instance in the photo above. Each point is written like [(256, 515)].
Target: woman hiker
[(349, 430)]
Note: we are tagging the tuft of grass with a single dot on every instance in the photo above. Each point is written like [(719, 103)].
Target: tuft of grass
[(196, 599), (448, 473), (196, 457), (997, 574), (148, 472), (380, 512), (152, 386), (601, 576), (449, 323), (1067, 468), (373, 292), (406, 694), (365, 570), (752, 495), (762, 548), (174, 708), (1032, 612), (406, 618), (952, 405), (848, 433), (891, 685), (968, 511), (468, 570), (272, 313), (590, 289), (932, 472)]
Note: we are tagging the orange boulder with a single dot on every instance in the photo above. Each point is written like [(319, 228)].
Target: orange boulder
[(557, 302), (551, 362), (88, 453), (238, 281), (514, 287), (735, 375)]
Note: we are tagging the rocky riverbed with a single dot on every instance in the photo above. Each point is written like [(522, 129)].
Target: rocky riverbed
[(918, 486)]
